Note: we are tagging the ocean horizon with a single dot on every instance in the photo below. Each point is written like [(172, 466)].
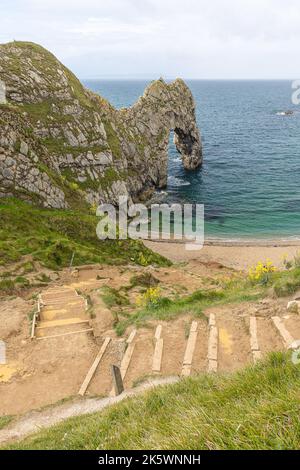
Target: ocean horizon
[(249, 180)]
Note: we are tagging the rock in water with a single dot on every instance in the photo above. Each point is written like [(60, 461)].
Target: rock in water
[(63, 146)]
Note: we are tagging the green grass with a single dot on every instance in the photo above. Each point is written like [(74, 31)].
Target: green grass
[(113, 298), (283, 283), (47, 66), (194, 304), (286, 283), (38, 111), (14, 285), (51, 237), (5, 421), (113, 139), (27, 267), (43, 278), (7, 286), (257, 408)]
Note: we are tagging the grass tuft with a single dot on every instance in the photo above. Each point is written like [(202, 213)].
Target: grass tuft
[(287, 283), (193, 304), (5, 421), (113, 298)]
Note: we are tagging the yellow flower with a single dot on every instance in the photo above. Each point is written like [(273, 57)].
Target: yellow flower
[(150, 298), (261, 271)]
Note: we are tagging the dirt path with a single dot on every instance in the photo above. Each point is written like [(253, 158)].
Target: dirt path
[(37, 420), (41, 372), (233, 352), (234, 341)]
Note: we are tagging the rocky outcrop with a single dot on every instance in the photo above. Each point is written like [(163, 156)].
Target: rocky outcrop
[(2, 93), (62, 145)]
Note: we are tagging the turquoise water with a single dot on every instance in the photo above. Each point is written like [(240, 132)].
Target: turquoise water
[(250, 180)]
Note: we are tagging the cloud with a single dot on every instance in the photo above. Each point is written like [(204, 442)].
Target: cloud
[(194, 38), (108, 26)]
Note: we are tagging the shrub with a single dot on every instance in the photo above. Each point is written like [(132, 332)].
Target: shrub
[(113, 298), (144, 280), (7, 286), (151, 298), (297, 260), (288, 284), (260, 274)]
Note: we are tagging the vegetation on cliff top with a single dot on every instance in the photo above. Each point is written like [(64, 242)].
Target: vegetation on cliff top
[(52, 236), (233, 290), (48, 66), (256, 408)]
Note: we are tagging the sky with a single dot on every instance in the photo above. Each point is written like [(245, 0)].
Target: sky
[(204, 39)]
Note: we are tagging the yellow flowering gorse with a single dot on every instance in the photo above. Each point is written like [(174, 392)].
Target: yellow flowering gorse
[(260, 273), (150, 298)]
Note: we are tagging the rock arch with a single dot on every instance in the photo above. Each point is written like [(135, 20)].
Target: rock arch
[(164, 108)]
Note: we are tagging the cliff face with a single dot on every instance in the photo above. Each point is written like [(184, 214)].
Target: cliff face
[(62, 145)]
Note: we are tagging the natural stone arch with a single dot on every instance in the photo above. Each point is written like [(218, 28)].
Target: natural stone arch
[(189, 148), (164, 108)]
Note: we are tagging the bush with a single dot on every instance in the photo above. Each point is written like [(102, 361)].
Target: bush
[(22, 281), (152, 299), (7, 286), (288, 283), (260, 274), (144, 280), (113, 298)]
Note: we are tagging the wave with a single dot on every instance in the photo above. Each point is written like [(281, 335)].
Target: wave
[(286, 113), (174, 181), (176, 160)]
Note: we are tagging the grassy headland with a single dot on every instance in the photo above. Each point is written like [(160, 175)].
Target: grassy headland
[(257, 408), (52, 236)]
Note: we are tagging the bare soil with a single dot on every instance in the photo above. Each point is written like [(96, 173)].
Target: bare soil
[(40, 373)]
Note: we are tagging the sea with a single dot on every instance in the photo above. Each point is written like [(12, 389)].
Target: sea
[(249, 183)]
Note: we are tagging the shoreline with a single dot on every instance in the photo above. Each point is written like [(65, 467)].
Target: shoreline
[(253, 242), (259, 242), (235, 254)]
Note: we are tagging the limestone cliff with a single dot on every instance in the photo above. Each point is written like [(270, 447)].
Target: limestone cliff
[(62, 145)]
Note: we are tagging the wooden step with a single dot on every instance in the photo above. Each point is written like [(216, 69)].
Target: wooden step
[(190, 349), (256, 352), (284, 333), (158, 350), (126, 358), (68, 298), (69, 303), (128, 354), (66, 334), (62, 322), (212, 354), (93, 368), (58, 295)]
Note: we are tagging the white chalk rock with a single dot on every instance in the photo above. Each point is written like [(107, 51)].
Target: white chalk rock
[(295, 345)]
